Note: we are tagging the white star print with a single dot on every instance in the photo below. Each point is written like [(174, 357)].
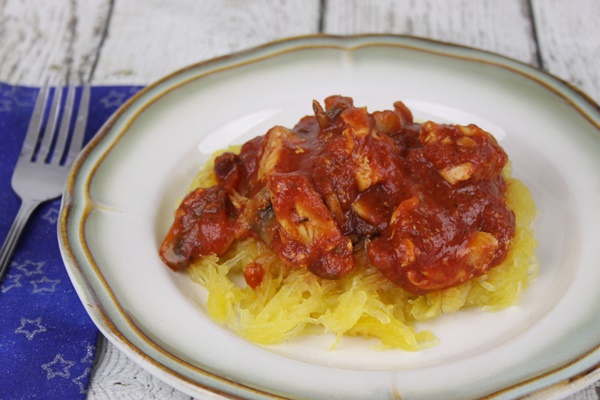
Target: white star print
[(134, 90), (31, 327), (58, 367), (45, 285), (10, 95), (30, 268), (11, 281), (77, 381), (51, 215), (113, 99), (89, 356)]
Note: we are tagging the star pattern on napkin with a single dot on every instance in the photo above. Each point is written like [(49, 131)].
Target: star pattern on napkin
[(29, 267), (79, 381), (11, 281), (45, 285), (89, 356), (15, 96), (58, 367), (31, 327), (114, 98), (51, 215), (47, 340), (62, 367)]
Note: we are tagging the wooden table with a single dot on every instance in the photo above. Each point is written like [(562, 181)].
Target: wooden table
[(139, 41)]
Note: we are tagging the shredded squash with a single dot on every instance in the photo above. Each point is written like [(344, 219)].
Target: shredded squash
[(290, 302)]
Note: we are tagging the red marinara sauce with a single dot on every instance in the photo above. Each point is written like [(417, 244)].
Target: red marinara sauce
[(425, 201)]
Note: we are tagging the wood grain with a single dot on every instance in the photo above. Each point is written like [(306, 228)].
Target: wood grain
[(138, 41), (123, 379), (503, 27), (569, 39), (49, 38), (147, 42)]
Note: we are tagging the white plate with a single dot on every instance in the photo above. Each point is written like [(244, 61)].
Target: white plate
[(119, 202)]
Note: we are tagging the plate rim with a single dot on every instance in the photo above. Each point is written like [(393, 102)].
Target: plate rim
[(87, 291)]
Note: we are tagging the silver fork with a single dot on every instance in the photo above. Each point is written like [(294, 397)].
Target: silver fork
[(45, 159)]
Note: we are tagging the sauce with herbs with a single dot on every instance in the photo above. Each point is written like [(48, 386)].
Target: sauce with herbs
[(424, 201)]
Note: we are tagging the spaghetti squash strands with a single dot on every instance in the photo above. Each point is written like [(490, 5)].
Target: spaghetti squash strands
[(289, 302)]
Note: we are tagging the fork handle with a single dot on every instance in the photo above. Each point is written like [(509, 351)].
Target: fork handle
[(14, 233)]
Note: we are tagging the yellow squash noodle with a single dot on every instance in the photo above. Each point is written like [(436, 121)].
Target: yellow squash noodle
[(291, 302)]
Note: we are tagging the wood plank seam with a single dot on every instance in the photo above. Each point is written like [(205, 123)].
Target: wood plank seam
[(534, 32), (111, 6), (322, 11)]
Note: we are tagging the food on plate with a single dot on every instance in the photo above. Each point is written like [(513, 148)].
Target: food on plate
[(355, 223)]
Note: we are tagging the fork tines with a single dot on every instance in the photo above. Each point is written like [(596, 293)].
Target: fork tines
[(51, 147)]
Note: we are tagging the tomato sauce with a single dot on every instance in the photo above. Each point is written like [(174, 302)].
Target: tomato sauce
[(424, 201)]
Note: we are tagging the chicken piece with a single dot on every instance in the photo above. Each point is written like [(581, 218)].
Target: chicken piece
[(458, 173), (373, 153), (479, 251), (427, 247), (462, 153), (471, 259), (357, 123), (387, 122), (203, 225), (374, 207), (279, 145), (308, 235), (374, 163)]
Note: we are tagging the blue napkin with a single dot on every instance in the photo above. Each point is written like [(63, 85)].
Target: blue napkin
[(47, 340)]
